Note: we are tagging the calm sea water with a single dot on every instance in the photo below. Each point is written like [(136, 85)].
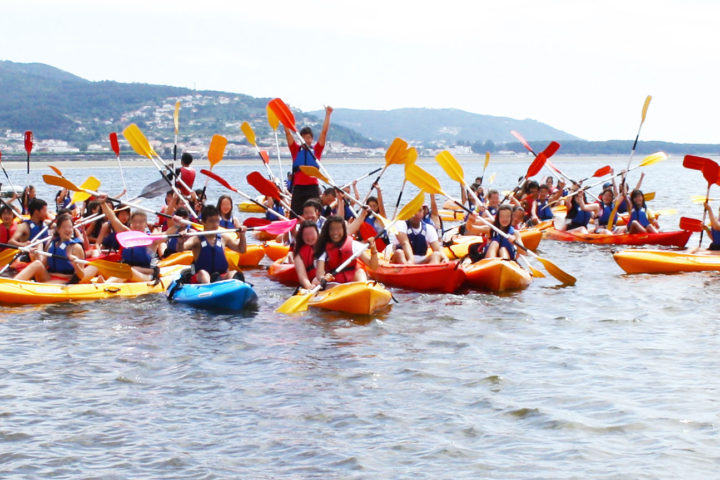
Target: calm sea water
[(613, 378)]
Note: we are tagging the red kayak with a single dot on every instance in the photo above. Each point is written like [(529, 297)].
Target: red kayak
[(442, 277), (284, 273), (671, 239)]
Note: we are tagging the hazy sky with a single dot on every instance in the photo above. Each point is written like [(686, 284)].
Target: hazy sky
[(581, 66)]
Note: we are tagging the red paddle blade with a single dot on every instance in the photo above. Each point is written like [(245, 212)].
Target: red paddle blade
[(551, 149), (536, 165), (367, 231), (265, 157), (114, 143), (28, 142), (602, 171), (218, 179), (710, 171), (0, 156), (522, 140), (283, 113), (252, 222), (691, 224), (263, 185), (279, 227), (694, 163)]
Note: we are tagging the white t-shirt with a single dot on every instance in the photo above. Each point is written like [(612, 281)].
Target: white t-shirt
[(431, 234)]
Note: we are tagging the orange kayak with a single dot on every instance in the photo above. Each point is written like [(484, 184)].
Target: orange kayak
[(252, 256), (284, 273), (671, 239), (665, 261), (275, 250), (443, 277), (359, 298), (496, 275)]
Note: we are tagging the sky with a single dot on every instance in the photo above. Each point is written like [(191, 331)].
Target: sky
[(584, 67)]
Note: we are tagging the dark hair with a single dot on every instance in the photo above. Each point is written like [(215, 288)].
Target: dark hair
[(305, 130), (313, 202), (91, 205), (634, 194), (493, 192), (325, 234), (182, 212), (186, 158), (502, 207), (201, 197), (209, 211), (544, 186), (220, 199), (299, 243), (63, 211), (372, 198), (63, 217), (4, 208), (531, 184), (36, 204), (329, 191)]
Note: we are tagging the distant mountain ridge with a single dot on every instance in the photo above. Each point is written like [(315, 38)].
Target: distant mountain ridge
[(444, 125)]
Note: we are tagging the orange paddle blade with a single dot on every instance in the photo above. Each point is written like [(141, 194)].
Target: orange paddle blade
[(283, 113)]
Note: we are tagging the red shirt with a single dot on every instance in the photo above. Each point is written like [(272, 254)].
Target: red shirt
[(187, 175), (300, 178)]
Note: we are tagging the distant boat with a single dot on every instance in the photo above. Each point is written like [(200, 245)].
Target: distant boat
[(6, 191)]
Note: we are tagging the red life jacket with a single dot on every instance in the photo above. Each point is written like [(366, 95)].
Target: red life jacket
[(187, 175), (6, 233), (307, 256), (336, 256)]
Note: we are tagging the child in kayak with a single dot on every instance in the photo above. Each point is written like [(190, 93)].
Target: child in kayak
[(335, 246), (58, 270), (304, 253), (641, 220), (579, 213), (413, 239), (225, 207), (500, 246), (541, 209), (714, 230), (209, 250)]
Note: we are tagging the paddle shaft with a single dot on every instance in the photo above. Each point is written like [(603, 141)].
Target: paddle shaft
[(44, 254), (225, 184), (595, 184)]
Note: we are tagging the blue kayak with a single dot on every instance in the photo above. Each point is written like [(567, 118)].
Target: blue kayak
[(224, 295)]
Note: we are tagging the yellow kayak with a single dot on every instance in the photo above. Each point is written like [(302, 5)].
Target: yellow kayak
[(359, 298), (24, 292), (665, 261), (250, 207), (496, 275)]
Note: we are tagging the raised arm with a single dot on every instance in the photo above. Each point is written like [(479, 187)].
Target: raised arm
[(325, 127)]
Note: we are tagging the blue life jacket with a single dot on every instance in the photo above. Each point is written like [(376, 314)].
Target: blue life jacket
[(492, 210), (504, 242), (138, 256), (640, 215), (577, 216), (303, 158), (110, 242), (715, 235), (61, 265), (418, 242), (271, 213), (227, 223), (604, 218), (544, 211), (623, 208), (212, 257), (171, 246), (35, 229)]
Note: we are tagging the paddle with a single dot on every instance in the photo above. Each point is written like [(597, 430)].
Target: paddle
[(487, 162), (368, 231), (116, 148), (702, 199), (428, 183), (152, 190), (362, 177), (6, 174), (142, 147), (227, 185), (91, 183), (691, 224), (410, 159), (535, 166), (642, 120), (28, 147), (283, 113), (106, 268), (267, 188), (299, 302), (694, 162), (395, 154), (63, 182), (132, 238), (600, 172), (274, 124), (649, 196), (176, 124), (710, 173), (250, 135), (56, 170), (255, 222), (215, 154)]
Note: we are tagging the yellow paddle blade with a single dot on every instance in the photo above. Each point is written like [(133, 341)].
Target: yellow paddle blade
[(138, 142), (396, 152), (249, 134), (91, 183), (645, 107), (487, 160), (411, 157), (314, 172), (423, 180), (112, 269), (296, 303), (492, 178), (7, 256), (273, 120), (653, 158), (56, 170), (60, 182), (451, 166), (176, 117), (533, 271), (553, 270), (666, 211), (216, 150), (412, 207), (702, 199), (649, 196)]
